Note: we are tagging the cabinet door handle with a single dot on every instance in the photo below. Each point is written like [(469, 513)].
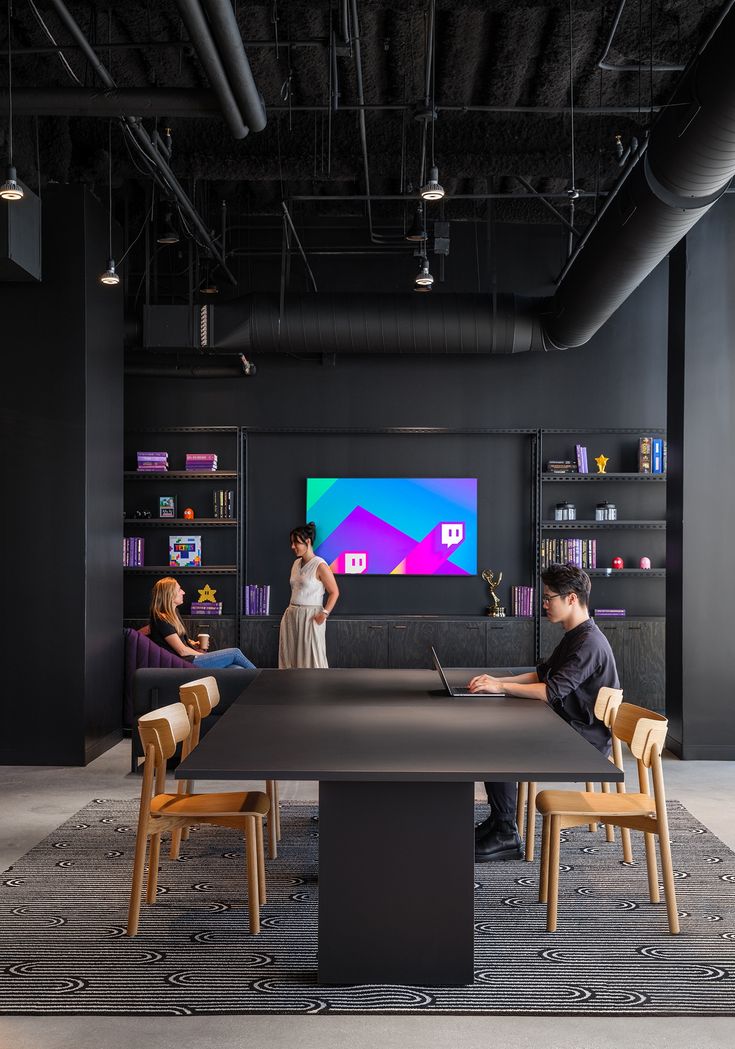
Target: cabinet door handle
[(495, 626), (472, 626), (377, 626), (397, 626), (632, 626)]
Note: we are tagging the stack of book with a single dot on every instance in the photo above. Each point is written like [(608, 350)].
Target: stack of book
[(521, 600), (651, 455), (582, 466), (133, 551), (206, 608), (611, 612), (561, 466), (224, 503), (204, 461), (579, 552), (152, 462), (256, 600)]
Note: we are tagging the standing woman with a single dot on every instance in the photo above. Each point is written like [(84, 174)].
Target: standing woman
[(302, 640)]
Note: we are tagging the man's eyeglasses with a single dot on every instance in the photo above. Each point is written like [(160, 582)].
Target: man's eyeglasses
[(547, 598)]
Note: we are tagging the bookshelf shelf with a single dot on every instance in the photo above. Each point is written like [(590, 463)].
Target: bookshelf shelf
[(584, 526), (619, 477), (182, 522), (180, 475), (612, 573), (178, 570)]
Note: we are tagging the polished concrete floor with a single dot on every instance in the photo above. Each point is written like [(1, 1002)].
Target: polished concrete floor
[(36, 800)]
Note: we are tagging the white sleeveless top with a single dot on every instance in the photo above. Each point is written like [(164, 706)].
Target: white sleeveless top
[(306, 589)]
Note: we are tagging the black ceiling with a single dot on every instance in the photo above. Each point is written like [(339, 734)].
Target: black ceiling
[(510, 56)]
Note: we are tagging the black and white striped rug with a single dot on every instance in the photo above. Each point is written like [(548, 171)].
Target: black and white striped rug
[(63, 909)]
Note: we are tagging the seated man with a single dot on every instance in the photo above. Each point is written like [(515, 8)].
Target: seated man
[(580, 665)]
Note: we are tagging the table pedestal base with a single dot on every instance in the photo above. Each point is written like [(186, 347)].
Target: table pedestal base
[(396, 882)]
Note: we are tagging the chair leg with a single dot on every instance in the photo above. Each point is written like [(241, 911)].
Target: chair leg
[(590, 788), (262, 898), (531, 822), (543, 879), (137, 886), (652, 868), (153, 859), (521, 807), (553, 877), (176, 835), (627, 847), (667, 869), (609, 829), (277, 798), (251, 871)]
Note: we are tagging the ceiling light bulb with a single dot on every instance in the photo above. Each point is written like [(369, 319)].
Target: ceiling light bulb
[(432, 190), (10, 189), (417, 230), (110, 276), (423, 278)]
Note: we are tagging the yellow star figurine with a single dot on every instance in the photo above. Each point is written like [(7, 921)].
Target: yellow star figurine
[(602, 461), (207, 594)]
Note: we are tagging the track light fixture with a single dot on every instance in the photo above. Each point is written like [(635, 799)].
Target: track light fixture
[(168, 233), (417, 232), (424, 278), (208, 285), (432, 190), (11, 189), (110, 276)]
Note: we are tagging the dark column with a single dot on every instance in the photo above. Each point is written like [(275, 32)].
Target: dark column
[(701, 492), (62, 450)]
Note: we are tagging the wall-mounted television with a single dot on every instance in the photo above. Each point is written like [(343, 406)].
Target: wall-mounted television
[(395, 525)]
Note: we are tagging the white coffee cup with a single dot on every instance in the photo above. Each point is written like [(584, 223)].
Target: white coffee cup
[(203, 640)]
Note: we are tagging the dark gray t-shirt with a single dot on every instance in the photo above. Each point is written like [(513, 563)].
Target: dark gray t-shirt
[(580, 665)]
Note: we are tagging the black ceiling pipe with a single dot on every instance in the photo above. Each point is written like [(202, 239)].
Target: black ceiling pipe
[(226, 33), (687, 166), (376, 324), (195, 21), (188, 366)]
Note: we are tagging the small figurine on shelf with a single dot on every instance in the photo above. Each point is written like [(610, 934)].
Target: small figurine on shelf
[(602, 461), (188, 514), (618, 562), (645, 562), (495, 609)]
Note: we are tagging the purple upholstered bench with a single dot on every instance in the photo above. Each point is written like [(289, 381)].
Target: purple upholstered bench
[(140, 651)]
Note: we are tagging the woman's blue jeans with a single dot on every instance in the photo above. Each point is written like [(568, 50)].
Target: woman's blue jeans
[(224, 657)]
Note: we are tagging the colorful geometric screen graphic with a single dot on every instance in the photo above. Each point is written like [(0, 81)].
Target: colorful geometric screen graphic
[(395, 525)]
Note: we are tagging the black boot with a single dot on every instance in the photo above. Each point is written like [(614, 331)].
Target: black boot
[(485, 827), (501, 842)]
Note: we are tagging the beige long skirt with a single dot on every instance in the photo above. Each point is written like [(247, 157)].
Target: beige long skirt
[(301, 641)]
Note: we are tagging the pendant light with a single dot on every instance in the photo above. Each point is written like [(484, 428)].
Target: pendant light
[(432, 190), (168, 233), (110, 276), (417, 232), (11, 188), (423, 278)]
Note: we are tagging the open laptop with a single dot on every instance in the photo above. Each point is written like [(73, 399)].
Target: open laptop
[(458, 693)]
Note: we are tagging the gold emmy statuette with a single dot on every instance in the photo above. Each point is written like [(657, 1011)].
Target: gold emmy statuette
[(602, 461), (495, 608)]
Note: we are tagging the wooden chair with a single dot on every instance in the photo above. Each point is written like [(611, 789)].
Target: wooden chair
[(200, 697), (161, 731), (645, 734), (606, 706)]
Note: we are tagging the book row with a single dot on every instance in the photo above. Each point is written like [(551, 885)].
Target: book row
[(651, 455), (579, 552), (206, 608), (256, 599), (157, 462), (223, 503), (522, 600), (133, 551)]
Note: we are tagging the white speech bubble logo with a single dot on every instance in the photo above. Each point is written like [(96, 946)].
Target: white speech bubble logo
[(355, 564), (452, 533)]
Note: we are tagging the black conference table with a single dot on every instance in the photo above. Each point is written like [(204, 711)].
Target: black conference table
[(396, 760)]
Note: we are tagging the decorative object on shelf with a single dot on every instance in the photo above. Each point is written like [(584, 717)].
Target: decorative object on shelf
[(188, 514), (602, 461), (495, 609), (142, 515), (565, 512), (618, 563), (645, 563), (167, 506), (184, 551), (606, 512), (207, 593)]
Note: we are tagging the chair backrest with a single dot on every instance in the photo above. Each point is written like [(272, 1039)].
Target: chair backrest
[(642, 730), (164, 729), (607, 704), (201, 695)]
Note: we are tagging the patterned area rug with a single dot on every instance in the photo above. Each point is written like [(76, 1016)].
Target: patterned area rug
[(64, 950)]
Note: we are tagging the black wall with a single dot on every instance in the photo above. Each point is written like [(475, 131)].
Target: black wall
[(62, 426)]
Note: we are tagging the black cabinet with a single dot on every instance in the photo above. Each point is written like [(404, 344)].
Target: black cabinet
[(510, 643), (459, 643), (357, 643), (259, 639), (222, 630)]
